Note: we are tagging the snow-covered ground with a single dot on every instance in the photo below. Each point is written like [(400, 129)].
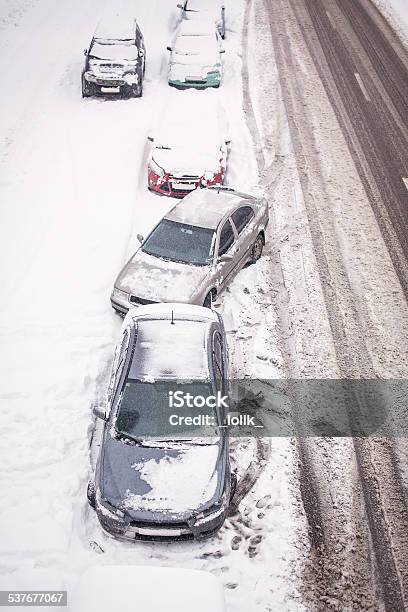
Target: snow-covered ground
[(396, 11), (73, 197)]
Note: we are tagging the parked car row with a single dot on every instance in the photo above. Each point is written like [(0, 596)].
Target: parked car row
[(148, 483), (115, 61)]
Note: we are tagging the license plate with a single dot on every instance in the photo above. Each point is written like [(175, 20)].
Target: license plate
[(184, 186), (110, 89), (158, 532)]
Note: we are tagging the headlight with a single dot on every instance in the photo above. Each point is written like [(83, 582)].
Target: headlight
[(155, 168), (106, 508), (202, 518), (120, 294)]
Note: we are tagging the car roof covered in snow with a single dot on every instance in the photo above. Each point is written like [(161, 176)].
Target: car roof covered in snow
[(116, 28), (207, 207), (170, 349), (129, 588), (185, 114), (204, 5), (197, 27)]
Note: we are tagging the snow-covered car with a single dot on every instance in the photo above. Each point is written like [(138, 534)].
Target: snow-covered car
[(195, 60), (132, 588), (178, 161), (115, 60), (156, 477), (213, 10), (194, 251)]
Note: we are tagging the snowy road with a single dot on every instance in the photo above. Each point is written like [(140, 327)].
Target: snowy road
[(340, 303), (73, 197)]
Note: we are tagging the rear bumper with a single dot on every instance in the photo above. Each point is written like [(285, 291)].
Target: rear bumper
[(211, 80)]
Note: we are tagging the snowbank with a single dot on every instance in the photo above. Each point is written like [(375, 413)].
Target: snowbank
[(396, 12)]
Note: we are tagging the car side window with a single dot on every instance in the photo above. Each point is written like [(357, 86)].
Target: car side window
[(227, 238), (242, 217), (118, 364)]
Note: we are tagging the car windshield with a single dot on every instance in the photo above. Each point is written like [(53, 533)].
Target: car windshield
[(151, 411), (181, 243)]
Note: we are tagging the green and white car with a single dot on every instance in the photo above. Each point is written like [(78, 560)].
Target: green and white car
[(195, 59)]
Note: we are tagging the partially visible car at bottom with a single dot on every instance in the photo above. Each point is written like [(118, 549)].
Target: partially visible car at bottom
[(133, 588), (179, 162), (195, 250), (155, 478), (115, 61)]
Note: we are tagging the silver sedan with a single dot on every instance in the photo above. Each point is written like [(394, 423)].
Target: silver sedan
[(194, 251)]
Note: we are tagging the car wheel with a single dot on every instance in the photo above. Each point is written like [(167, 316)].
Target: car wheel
[(256, 250), (234, 481), (86, 91), (137, 90), (90, 493), (209, 299)]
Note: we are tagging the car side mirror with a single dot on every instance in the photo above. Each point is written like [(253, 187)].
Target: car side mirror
[(226, 257), (141, 52), (100, 412), (140, 238), (227, 142), (150, 138), (222, 50), (169, 48), (85, 52)]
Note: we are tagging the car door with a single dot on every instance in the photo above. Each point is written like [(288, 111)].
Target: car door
[(226, 246), (243, 221)]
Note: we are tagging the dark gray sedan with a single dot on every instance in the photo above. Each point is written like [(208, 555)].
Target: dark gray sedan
[(159, 474), (195, 250)]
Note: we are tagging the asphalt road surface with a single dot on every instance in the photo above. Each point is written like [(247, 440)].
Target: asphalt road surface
[(368, 66)]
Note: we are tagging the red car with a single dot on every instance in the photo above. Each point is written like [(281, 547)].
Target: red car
[(182, 158)]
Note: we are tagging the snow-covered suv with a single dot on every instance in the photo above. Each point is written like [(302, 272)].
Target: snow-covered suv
[(115, 61)]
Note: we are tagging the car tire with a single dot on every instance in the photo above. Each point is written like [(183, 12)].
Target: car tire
[(209, 299), (234, 482), (91, 493), (137, 90), (86, 89), (256, 250)]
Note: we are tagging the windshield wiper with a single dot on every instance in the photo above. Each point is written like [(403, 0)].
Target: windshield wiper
[(128, 438)]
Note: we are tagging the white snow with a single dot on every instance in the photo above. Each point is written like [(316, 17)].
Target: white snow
[(178, 484), (132, 588), (396, 11)]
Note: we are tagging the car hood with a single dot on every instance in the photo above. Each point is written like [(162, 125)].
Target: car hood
[(202, 62), (157, 280), (156, 481), (192, 161)]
